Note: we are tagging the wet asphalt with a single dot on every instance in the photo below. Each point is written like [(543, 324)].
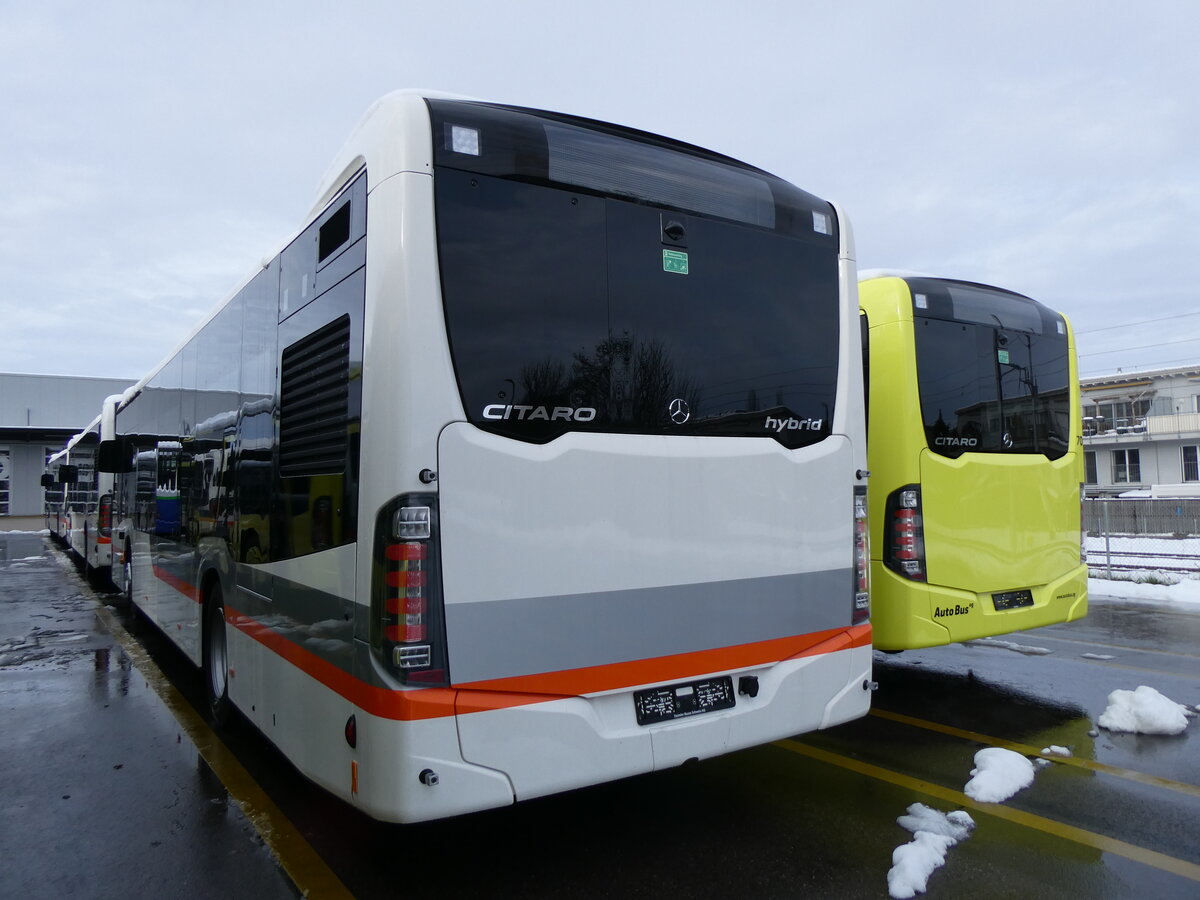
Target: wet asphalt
[(105, 795)]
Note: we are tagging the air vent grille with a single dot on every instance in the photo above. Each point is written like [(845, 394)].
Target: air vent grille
[(314, 402)]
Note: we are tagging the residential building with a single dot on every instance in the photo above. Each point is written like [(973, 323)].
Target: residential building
[(1142, 430)]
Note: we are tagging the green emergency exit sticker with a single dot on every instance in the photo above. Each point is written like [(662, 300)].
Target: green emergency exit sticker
[(675, 261), (1002, 355)]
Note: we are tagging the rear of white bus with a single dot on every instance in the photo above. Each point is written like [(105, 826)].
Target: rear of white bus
[(639, 544)]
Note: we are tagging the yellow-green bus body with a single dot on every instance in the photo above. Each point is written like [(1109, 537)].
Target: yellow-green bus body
[(995, 524)]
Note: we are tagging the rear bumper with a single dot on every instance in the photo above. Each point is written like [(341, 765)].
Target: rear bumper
[(571, 742), (909, 615), (493, 757)]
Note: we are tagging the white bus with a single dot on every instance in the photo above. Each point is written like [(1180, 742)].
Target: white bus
[(533, 461), (54, 495), (79, 496)]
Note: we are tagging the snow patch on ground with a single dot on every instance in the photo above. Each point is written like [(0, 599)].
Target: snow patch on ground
[(1143, 711), (1009, 645), (1097, 656), (1185, 593), (998, 774), (1055, 750), (934, 833)]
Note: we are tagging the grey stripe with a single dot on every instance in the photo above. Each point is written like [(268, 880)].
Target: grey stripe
[(328, 626), (319, 622), (530, 635)]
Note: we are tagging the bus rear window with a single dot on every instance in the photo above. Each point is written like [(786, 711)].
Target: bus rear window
[(575, 310), (992, 371)]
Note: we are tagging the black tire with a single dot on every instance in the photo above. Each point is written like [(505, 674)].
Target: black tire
[(89, 571), (127, 569), (216, 658)]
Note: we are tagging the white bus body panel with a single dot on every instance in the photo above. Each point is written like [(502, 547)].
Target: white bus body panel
[(610, 512), (568, 559)]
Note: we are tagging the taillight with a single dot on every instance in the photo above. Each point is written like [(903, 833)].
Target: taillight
[(407, 598), (862, 559), (104, 516), (904, 533), (406, 605)]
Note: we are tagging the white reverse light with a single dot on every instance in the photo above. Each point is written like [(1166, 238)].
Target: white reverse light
[(411, 523)]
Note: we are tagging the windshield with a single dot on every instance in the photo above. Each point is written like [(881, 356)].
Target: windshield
[(992, 367), (602, 280)]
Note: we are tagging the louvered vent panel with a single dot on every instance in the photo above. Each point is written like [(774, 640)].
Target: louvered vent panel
[(314, 402)]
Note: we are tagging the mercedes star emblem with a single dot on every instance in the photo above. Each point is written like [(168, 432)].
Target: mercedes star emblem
[(680, 411)]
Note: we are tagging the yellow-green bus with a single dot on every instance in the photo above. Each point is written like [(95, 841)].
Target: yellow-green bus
[(975, 448)]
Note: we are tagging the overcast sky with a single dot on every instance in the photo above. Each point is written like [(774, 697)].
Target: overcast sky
[(153, 153)]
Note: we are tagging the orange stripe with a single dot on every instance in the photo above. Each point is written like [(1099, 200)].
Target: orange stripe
[(188, 590), (423, 703), (614, 676), (526, 690), (482, 696)]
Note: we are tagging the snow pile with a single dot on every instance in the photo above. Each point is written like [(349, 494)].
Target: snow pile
[(1185, 592), (934, 833), (1144, 711), (998, 774), (1097, 656), (1009, 645), (1055, 750)]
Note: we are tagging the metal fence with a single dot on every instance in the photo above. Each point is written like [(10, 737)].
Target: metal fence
[(1128, 535)]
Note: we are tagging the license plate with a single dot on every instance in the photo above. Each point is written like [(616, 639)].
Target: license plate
[(679, 700), (1012, 599)]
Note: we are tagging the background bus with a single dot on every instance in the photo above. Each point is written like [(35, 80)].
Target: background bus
[(54, 495), (79, 497), (557, 478), (976, 456)]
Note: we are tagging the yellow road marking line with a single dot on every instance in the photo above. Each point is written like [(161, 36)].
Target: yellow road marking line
[(1182, 787), (1100, 842), (303, 865)]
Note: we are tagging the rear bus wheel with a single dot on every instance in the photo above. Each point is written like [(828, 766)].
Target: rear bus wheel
[(127, 570), (216, 658)]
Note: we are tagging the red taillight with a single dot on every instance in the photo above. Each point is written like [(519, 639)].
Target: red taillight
[(104, 516), (406, 603), (905, 533), (862, 559), (409, 632)]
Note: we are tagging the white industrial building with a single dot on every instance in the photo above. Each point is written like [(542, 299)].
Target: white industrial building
[(38, 413), (1141, 432)]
